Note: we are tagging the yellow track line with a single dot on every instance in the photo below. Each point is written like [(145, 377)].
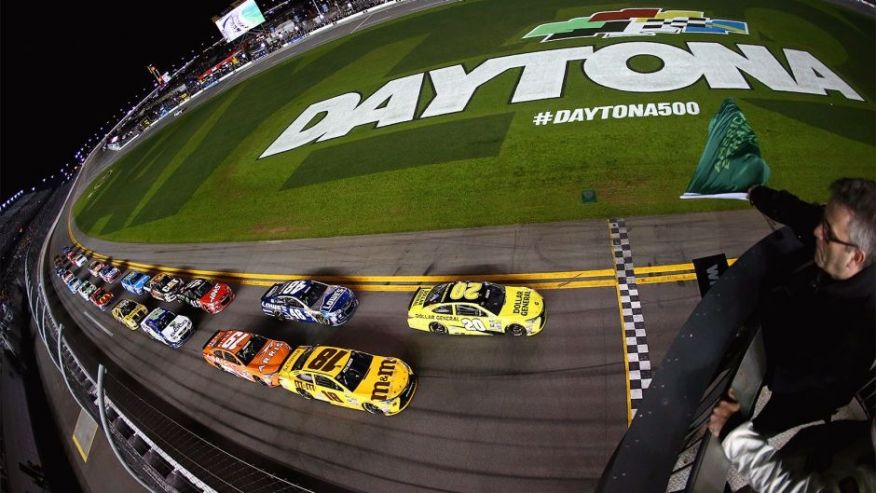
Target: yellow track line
[(596, 278)]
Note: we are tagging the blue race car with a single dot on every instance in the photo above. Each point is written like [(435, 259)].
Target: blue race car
[(310, 301), (135, 282)]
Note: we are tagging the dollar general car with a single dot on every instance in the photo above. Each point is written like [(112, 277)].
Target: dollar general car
[(477, 308), (249, 356), (347, 378), (129, 313), (203, 294), (164, 287), (310, 301), (135, 282), (167, 327)]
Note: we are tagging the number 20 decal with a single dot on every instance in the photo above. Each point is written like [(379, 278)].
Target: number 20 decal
[(468, 290), (473, 324)]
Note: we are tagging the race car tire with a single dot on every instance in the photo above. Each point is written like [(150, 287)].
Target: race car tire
[(437, 328), (320, 319), (260, 381), (304, 393), (371, 408), (277, 315), (516, 330)]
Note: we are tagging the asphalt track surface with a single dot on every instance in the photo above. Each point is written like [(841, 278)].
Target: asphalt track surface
[(541, 413)]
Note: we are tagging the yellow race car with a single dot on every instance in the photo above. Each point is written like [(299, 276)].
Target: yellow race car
[(348, 378), (129, 313), (477, 308)]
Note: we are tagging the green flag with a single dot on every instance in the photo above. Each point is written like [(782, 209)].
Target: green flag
[(731, 161)]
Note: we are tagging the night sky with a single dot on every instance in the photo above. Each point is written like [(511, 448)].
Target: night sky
[(70, 67)]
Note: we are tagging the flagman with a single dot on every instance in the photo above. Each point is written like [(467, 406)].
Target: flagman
[(818, 307)]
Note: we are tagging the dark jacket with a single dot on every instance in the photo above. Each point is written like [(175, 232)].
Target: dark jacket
[(819, 333)]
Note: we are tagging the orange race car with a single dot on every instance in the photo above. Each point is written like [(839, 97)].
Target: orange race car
[(249, 356)]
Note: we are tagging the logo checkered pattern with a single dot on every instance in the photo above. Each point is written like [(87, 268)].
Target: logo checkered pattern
[(638, 360)]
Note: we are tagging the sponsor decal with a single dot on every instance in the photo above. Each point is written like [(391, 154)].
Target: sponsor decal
[(618, 111), (637, 22), (521, 302), (381, 387), (543, 75), (333, 299)]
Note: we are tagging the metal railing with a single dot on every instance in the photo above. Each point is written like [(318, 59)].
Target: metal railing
[(667, 447), (159, 452)]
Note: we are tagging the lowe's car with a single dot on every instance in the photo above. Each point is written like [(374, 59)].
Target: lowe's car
[(167, 327), (310, 301), (135, 282)]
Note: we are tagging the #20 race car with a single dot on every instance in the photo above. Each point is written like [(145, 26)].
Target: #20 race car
[(203, 294), (477, 308), (348, 378), (129, 313), (249, 356), (310, 301)]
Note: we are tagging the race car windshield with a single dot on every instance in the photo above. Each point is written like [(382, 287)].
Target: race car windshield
[(492, 297), (312, 293), (126, 309), (435, 295), (355, 369), (164, 319), (252, 348)]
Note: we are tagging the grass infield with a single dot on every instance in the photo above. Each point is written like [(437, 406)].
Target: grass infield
[(200, 180)]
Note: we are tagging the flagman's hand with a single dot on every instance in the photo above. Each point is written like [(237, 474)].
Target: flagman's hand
[(751, 189), (725, 409)]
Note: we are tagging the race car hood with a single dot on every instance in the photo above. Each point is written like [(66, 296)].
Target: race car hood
[(177, 330), (335, 298), (270, 358), (216, 294), (522, 303), (387, 378)]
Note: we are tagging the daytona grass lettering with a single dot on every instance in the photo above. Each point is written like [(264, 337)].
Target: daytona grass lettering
[(617, 112)]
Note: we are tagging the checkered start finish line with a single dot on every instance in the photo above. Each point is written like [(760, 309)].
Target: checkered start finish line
[(638, 361)]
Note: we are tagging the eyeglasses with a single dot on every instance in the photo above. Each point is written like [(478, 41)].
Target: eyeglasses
[(829, 236)]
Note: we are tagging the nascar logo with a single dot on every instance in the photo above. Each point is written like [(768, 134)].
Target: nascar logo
[(637, 22)]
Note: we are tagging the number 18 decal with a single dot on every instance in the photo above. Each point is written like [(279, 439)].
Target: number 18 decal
[(473, 324)]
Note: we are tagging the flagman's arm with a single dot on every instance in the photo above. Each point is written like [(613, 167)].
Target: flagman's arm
[(787, 209)]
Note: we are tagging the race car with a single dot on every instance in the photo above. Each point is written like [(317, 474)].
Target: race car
[(164, 287), (60, 271), (85, 290), (310, 301), (129, 313), (73, 284), (348, 378), (203, 294), (78, 259), (66, 276), (95, 267), (135, 282), (110, 274), (249, 356), (167, 327), (477, 308), (101, 298)]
